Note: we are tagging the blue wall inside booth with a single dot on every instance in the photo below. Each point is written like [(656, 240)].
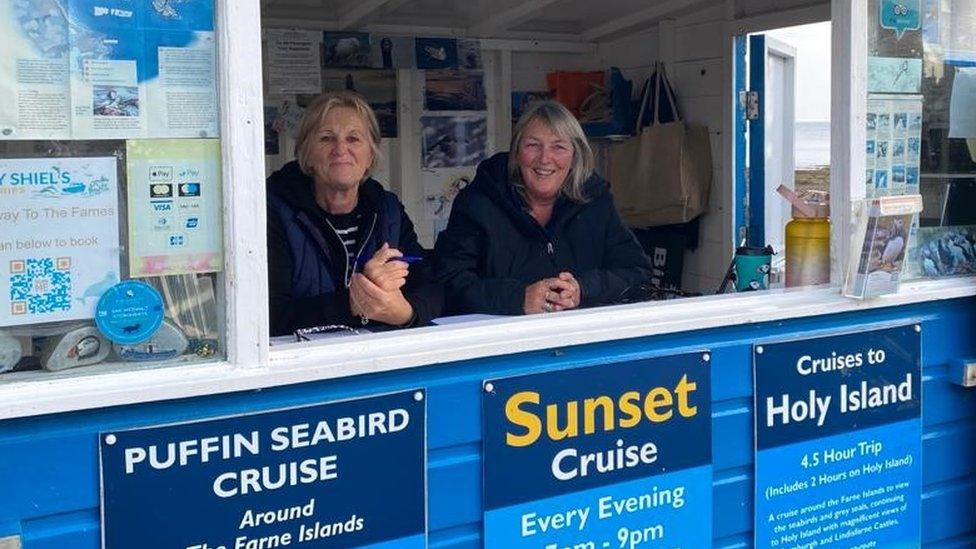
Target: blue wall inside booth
[(49, 471)]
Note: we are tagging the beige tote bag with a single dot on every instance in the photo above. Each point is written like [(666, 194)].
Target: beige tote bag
[(663, 175)]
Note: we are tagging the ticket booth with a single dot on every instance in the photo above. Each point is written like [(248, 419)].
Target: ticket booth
[(145, 401)]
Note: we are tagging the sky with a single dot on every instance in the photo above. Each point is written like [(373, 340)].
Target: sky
[(812, 43)]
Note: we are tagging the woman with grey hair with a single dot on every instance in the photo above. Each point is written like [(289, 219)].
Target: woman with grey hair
[(537, 231), (341, 249)]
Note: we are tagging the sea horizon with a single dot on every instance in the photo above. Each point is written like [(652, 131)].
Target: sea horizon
[(811, 144)]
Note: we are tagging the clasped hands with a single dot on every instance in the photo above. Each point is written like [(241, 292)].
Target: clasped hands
[(374, 293), (552, 294)]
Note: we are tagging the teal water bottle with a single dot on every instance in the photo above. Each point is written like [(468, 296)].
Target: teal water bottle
[(752, 266)]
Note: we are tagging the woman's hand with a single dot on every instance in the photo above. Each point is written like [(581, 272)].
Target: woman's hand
[(372, 302), (545, 296), (570, 298), (388, 275)]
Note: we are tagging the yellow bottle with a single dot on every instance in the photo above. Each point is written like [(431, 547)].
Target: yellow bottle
[(807, 239)]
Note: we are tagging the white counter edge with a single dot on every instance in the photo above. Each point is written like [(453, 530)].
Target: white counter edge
[(291, 364)]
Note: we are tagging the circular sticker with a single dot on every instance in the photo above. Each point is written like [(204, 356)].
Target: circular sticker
[(129, 312)]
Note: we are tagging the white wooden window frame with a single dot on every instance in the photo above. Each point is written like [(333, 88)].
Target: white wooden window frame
[(251, 364)]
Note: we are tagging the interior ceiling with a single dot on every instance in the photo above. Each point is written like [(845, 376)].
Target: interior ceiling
[(574, 20)]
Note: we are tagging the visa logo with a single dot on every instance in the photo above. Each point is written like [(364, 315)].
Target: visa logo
[(162, 206)]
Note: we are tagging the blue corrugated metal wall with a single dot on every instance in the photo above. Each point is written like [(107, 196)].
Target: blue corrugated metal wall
[(49, 465)]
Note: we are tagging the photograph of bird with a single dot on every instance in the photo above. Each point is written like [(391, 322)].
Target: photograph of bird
[(894, 247)]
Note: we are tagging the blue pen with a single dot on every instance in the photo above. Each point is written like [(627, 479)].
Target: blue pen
[(407, 258), (404, 258)]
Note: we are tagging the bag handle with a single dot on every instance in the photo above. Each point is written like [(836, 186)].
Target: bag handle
[(665, 84), (658, 74), (645, 90), (660, 84)]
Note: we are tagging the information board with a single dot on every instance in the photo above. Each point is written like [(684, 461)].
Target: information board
[(839, 440), (59, 237), (608, 456), (341, 474)]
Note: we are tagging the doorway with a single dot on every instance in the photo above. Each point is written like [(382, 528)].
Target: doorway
[(785, 137)]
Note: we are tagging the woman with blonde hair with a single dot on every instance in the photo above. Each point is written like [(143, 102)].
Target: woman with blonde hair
[(537, 230), (341, 249)]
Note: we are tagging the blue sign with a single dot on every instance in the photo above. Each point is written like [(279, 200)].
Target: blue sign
[(343, 474), (129, 312), (839, 441), (609, 456), (901, 16)]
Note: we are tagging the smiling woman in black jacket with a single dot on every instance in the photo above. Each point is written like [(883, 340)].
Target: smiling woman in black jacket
[(537, 231), (339, 245)]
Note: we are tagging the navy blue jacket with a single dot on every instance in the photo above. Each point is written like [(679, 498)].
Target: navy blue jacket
[(306, 270), (493, 248)]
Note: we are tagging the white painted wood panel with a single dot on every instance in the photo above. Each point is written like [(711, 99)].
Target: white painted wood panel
[(703, 111), (697, 78), (529, 69), (701, 41), (636, 51), (244, 291)]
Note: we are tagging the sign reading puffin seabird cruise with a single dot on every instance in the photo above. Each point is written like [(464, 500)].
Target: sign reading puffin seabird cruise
[(839, 440), (342, 474)]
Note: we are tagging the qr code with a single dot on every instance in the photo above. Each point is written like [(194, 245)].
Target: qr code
[(40, 285)]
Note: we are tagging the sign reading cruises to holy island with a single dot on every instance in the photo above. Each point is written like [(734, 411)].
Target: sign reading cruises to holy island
[(839, 440)]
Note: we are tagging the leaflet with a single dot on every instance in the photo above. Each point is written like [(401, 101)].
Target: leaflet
[(294, 61), (962, 104), (184, 95), (174, 199), (107, 101), (108, 69), (59, 237)]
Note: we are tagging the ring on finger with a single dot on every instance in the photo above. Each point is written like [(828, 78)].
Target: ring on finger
[(547, 307)]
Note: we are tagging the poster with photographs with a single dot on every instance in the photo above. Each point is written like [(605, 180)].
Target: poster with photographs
[(469, 53), (392, 52), (345, 49), (377, 86), (455, 91), (436, 53), (893, 146), (943, 251), (441, 186), (453, 141)]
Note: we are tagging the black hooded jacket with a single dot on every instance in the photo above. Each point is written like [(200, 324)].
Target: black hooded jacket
[(493, 248), (298, 235)]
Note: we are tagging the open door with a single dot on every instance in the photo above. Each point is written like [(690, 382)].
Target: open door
[(771, 124)]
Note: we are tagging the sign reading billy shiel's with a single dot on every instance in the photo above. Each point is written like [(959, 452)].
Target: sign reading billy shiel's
[(343, 474), (609, 456), (838, 440)]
